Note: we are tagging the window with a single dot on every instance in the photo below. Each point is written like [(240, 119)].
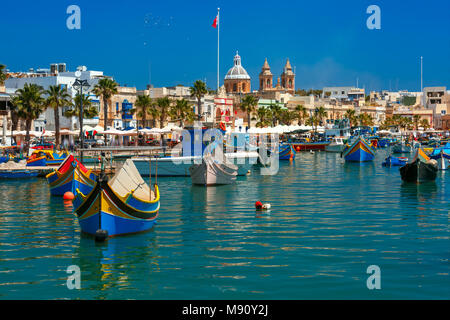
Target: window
[(117, 107), (443, 111), (234, 87), (243, 87)]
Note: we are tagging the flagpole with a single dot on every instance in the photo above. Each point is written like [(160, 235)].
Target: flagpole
[(218, 32)]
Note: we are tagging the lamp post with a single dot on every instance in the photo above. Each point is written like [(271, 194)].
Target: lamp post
[(79, 85)]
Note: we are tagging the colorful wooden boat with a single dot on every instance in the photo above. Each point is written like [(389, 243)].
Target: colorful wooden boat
[(392, 161), (442, 156), (18, 174), (70, 176), (37, 159), (4, 159), (286, 152), (421, 169), (307, 146), (123, 205), (359, 151)]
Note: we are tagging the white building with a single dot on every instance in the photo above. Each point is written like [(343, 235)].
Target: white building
[(56, 76)]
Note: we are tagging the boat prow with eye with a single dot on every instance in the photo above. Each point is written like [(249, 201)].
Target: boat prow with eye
[(121, 205)]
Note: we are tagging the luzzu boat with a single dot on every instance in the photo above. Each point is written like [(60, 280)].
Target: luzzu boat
[(359, 151), (54, 158), (286, 152), (123, 205), (37, 159), (70, 176), (394, 161), (421, 169), (442, 156)]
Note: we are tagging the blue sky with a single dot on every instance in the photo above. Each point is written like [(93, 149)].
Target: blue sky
[(173, 42)]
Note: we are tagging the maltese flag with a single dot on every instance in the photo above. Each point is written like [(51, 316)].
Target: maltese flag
[(215, 22)]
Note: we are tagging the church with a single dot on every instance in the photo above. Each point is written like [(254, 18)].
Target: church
[(287, 83), (237, 80)]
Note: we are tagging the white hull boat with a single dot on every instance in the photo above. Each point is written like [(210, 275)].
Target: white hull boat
[(211, 172), (336, 145), (179, 166)]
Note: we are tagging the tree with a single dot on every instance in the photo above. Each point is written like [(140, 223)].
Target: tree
[(350, 114), (263, 115), (321, 113), (276, 111), (58, 97), (30, 105), (181, 111), (89, 111), (164, 105), (198, 90), (143, 104), (416, 120), (2, 74), (105, 89), (248, 105), (301, 113), (424, 124)]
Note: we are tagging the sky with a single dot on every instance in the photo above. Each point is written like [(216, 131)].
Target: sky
[(173, 42)]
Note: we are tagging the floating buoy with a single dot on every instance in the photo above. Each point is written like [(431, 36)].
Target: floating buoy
[(68, 196), (259, 206)]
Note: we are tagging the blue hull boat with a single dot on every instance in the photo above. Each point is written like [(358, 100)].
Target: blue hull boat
[(394, 161), (286, 152), (18, 174), (359, 151)]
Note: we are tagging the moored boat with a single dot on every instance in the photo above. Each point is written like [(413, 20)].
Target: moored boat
[(421, 169), (337, 145), (37, 159), (70, 176), (442, 156), (286, 152), (392, 161), (359, 151), (211, 172), (307, 146), (18, 174), (402, 147), (124, 204)]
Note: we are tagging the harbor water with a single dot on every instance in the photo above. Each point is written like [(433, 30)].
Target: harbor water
[(329, 221)]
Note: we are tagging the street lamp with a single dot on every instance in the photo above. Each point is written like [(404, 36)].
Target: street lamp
[(79, 85)]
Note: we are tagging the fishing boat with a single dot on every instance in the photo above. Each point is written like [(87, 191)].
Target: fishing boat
[(402, 147), (308, 145), (54, 158), (70, 176), (383, 143), (392, 161), (121, 205), (18, 174), (336, 145), (286, 152), (211, 172), (421, 169), (4, 159), (37, 159), (442, 156), (359, 151)]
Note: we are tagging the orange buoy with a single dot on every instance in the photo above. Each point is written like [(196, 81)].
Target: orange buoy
[(68, 196)]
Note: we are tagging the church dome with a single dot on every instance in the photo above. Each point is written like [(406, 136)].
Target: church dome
[(237, 71)]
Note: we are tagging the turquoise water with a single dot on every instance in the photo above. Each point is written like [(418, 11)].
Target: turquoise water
[(329, 221)]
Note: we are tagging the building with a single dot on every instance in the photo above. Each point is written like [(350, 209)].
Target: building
[(287, 83), (120, 115), (237, 79), (56, 75), (342, 94)]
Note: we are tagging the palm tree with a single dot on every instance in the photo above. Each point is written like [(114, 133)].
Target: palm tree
[(321, 113), (30, 105), (350, 115), (105, 89), (198, 90), (154, 113), (424, 124), (164, 105), (143, 103), (58, 97), (2, 75), (264, 115), (301, 113), (89, 111), (276, 111), (416, 120), (181, 111), (248, 105)]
